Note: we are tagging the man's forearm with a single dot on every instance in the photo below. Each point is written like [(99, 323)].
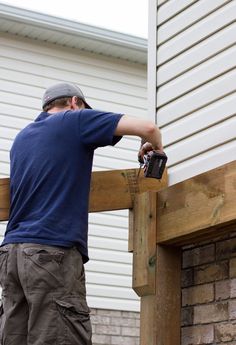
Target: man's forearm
[(146, 130)]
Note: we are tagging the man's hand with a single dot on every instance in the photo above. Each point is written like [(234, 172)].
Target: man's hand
[(145, 149)]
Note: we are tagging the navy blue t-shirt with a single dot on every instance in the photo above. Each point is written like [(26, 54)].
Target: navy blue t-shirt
[(51, 163)]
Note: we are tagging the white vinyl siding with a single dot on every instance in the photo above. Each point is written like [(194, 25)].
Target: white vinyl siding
[(196, 84), (27, 67)]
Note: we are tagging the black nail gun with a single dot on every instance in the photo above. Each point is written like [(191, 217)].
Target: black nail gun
[(154, 164)]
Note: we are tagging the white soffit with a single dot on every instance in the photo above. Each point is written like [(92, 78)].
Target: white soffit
[(47, 28)]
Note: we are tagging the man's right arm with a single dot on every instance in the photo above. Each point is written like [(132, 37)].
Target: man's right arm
[(146, 130)]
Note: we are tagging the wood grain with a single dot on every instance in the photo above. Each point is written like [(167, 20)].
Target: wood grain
[(144, 250), (131, 231), (168, 295), (198, 208), (110, 190), (116, 189), (160, 313), (148, 326)]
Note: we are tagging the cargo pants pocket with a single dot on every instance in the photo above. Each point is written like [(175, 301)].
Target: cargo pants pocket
[(74, 322), (44, 267)]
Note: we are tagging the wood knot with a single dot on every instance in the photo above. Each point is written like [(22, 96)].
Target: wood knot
[(152, 261), (165, 204)]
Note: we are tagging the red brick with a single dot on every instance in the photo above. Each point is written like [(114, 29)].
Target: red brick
[(187, 277), (198, 294), (199, 256), (187, 316), (232, 268), (233, 288), (210, 273), (210, 313), (225, 332), (222, 290), (197, 335), (232, 309), (226, 249)]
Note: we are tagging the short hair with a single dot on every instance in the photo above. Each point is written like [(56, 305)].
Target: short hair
[(61, 103)]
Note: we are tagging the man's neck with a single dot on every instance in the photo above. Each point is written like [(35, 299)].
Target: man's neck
[(57, 110)]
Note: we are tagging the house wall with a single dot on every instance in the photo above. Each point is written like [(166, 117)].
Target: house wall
[(27, 67), (209, 292), (195, 73), (192, 90), (115, 327)]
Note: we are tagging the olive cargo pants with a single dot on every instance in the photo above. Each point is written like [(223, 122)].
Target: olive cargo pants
[(43, 296)]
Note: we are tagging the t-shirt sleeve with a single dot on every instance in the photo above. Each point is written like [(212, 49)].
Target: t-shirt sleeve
[(97, 128)]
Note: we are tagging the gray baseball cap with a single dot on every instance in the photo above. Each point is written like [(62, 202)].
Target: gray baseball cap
[(61, 90)]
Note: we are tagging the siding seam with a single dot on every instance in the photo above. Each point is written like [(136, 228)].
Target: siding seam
[(194, 22), (201, 107), (196, 43), (201, 130), (197, 64), (196, 87), (200, 153)]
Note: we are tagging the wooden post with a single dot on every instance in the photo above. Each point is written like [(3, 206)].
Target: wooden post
[(156, 277), (142, 185), (168, 296), (148, 324), (144, 263), (131, 231), (144, 251), (160, 313)]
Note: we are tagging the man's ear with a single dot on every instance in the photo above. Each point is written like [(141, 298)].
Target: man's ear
[(73, 103)]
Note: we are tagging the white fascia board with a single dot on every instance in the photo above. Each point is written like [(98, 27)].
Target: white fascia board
[(61, 25)]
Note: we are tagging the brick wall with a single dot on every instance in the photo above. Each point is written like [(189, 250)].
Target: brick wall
[(209, 293), (208, 300), (114, 327)]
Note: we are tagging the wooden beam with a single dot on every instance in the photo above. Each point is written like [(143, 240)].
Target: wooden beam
[(198, 208), (110, 190), (144, 251), (116, 189)]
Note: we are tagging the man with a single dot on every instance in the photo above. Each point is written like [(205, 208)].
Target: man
[(45, 244)]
